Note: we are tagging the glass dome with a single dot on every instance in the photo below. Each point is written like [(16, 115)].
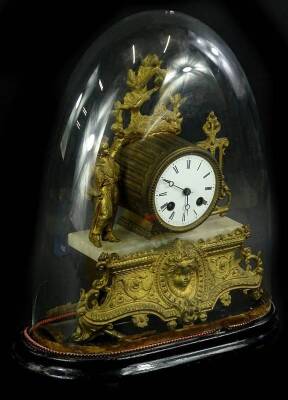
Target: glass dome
[(156, 215)]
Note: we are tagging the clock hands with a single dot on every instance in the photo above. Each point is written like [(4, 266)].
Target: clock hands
[(171, 183), (183, 194), (187, 205), (199, 202), (186, 193)]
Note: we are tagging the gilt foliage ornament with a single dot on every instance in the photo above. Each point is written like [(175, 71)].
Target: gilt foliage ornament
[(164, 119)]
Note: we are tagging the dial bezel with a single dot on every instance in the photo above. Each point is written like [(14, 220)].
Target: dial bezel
[(193, 150)]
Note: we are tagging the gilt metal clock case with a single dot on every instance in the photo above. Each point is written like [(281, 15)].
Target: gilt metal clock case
[(143, 163)]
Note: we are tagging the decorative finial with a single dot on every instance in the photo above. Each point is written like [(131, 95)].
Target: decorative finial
[(212, 126)]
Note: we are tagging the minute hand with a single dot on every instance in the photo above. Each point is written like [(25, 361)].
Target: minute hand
[(187, 205), (171, 183)]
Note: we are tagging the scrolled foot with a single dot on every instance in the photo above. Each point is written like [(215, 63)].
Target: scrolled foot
[(109, 330), (225, 299), (81, 334), (172, 324)]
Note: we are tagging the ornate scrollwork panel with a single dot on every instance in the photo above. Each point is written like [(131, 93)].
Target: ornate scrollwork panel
[(179, 283)]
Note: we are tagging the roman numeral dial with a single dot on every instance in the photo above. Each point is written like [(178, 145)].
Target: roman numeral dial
[(186, 191)]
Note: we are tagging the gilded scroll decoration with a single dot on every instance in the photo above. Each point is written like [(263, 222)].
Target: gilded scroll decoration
[(217, 147), (179, 283)]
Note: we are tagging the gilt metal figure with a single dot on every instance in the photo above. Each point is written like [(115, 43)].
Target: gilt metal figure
[(105, 194)]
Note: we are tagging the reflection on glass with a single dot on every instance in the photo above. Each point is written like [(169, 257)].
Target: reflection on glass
[(152, 223)]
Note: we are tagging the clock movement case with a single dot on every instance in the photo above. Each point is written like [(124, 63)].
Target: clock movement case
[(142, 163), (150, 299)]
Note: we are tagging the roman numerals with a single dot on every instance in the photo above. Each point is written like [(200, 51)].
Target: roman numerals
[(199, 165), (168, 207), (184, 191), (164, 206), (172, 215)]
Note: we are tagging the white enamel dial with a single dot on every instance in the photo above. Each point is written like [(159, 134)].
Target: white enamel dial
[(185, 191)]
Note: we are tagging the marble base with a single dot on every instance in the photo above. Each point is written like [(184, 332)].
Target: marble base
[(133, 243)]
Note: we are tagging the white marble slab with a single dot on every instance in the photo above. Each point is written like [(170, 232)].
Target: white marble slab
[(132, 243)]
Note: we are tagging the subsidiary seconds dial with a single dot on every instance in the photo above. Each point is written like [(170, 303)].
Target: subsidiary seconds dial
[(186, 190)]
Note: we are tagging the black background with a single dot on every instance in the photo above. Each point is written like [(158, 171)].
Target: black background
[(40, 44)]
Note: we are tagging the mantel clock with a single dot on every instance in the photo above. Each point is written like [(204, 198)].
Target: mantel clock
[(149, 242)]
